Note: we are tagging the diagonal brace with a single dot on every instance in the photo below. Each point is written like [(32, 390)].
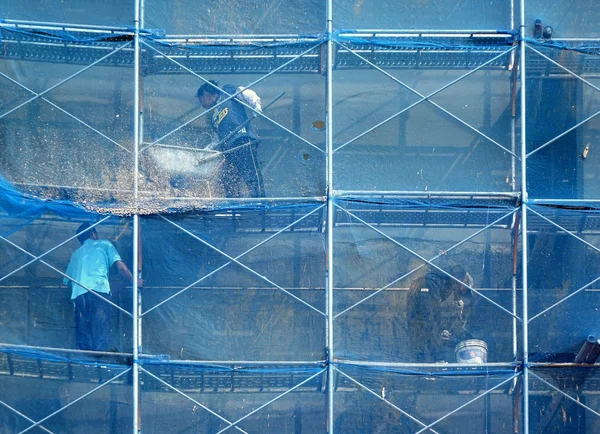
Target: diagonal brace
[(75, 401), (72, 116), (28, 419), (233, 96), (587, 285), (429, 262), (68, 277), (566, 395), (60, 83), (564, 230), (564, 133), (273, 400), (232, 259), (487, 392), (423, 265), (394, 406), (578, 77), (237, 257), (427, 98), (176, 390), (567, 70), (37, 258)]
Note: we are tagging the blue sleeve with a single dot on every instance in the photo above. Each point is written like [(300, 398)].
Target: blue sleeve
[(111, 253), (68, 273)]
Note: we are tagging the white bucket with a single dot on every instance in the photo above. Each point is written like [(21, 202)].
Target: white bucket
[(472, 351)]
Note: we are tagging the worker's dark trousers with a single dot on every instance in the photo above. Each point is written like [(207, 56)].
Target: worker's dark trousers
[(241, 167), (92, 319)]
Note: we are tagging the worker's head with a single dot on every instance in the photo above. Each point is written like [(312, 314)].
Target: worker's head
[(84, 233), (208, 94)]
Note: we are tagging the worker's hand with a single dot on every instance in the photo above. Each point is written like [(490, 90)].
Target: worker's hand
[(446, 335), (141, 282)]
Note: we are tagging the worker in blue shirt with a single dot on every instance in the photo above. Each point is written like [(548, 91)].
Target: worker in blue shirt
[(238, 141), (88, 271)]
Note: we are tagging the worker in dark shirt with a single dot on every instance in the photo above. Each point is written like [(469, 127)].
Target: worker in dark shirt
[(237, 140), (437, 311)]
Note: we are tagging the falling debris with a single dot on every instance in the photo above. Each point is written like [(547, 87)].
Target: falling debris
[(585, 151), (319, 125)]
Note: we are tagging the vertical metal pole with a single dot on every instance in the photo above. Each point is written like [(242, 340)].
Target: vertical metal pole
[(513, 182), (330, 211), (136, 146), (512, 14), (513, 121), (524, 240), (513, 147)]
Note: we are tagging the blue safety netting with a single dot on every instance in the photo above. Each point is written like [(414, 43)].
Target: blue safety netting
[(374, 259)]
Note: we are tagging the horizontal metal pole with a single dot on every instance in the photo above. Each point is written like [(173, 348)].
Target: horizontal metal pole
[(577, 39), (61, 350), (573, 202), (46, 25), (563, 365), (241, 199), (210, 288), (426, 31), (444, 365), (72, 187), (268, 288), (241, 37), (377, 193), (300, 363)]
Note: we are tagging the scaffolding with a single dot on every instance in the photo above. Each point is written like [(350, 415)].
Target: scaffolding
[(392, 150)]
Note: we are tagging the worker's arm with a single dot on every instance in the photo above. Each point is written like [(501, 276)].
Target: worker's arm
[(126, 274), (250, 97)]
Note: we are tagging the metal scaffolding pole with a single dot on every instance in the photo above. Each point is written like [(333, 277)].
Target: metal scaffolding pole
[(136, 226), (524, 197), (329, 174)]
